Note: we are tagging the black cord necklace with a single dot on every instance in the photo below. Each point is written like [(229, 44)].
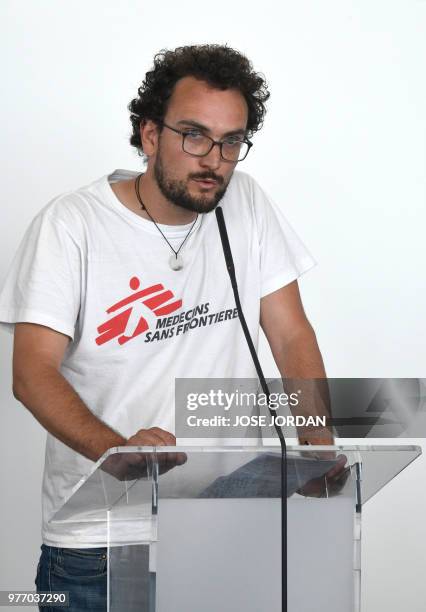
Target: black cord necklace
[(175, 261)]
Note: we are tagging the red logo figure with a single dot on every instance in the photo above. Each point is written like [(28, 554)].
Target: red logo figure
[(132, 321)]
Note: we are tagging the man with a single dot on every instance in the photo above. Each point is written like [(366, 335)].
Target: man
[(101, 271)]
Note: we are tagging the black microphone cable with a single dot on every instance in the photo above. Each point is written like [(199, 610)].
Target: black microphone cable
[(231, 270)]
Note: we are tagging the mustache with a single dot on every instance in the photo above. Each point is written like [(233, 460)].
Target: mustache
[(207, 175)]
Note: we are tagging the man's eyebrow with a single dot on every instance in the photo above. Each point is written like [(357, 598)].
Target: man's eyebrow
[(200, 126)]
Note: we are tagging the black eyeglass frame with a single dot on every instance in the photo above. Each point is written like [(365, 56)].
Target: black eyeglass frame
[(220, 143)]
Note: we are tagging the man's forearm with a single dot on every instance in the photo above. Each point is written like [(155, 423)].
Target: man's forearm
[(302, 369), (57, 406)]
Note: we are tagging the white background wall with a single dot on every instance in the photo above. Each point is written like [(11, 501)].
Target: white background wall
[(342, 151)]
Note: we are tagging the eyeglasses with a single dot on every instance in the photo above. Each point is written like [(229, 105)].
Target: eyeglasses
[(232, 149)]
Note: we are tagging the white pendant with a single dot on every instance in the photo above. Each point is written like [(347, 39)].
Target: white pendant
[(176, 262)]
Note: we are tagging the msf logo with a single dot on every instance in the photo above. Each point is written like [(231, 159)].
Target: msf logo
[(136, 313)]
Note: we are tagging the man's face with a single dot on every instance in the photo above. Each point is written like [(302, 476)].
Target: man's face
[(195, 105)]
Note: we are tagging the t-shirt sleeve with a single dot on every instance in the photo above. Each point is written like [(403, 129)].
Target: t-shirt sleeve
[(44, 282), (283, 255)]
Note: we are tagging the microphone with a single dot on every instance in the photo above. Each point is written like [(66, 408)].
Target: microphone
[(231, 271)]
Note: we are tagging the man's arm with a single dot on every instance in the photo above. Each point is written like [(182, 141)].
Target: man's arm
[(37, 383), (295, 350)]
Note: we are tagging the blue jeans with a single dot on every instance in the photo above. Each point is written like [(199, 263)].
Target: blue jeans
[(80, 571), (83, 573)]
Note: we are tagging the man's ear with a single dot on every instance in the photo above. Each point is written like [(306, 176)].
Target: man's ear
[(149, 136)]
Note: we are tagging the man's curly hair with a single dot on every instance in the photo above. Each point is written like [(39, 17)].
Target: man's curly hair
[(218, 65)]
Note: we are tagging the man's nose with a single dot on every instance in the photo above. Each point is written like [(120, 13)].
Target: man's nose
[(213, 158)]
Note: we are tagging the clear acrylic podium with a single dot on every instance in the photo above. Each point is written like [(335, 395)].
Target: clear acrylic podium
[(197, 529)]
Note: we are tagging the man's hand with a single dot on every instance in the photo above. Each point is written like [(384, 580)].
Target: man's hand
[(154, 436), (332, 482), (130, 466)]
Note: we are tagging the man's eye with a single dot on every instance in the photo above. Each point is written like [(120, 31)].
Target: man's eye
[(233, 141), (193, 134)]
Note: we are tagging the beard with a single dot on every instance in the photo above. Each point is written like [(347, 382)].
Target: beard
[(176, 191)]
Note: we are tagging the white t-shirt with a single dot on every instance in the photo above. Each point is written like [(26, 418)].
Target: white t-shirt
[(90, 268)]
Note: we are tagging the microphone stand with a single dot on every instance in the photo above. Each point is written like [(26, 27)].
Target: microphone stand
[(231, 271)]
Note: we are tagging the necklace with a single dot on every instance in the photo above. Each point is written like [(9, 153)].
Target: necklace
[(175, 260)]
